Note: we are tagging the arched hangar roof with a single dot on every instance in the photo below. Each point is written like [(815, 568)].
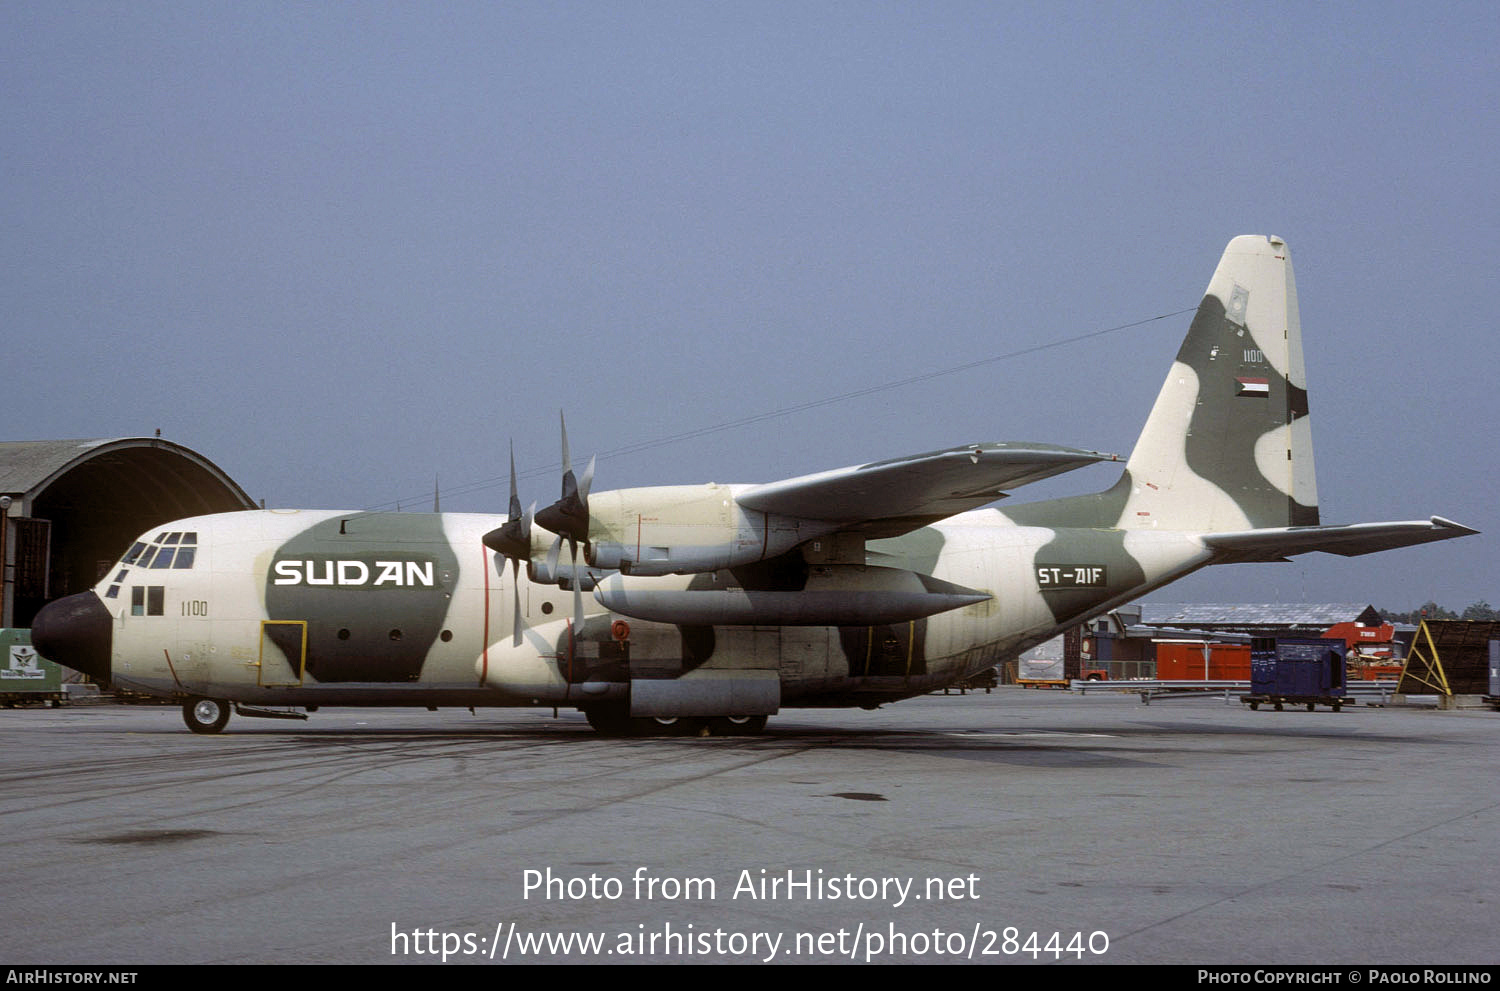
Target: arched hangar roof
[(72, 473), (77, 504)]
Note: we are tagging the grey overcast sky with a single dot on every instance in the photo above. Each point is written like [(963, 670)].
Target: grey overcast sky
[(343, 248)]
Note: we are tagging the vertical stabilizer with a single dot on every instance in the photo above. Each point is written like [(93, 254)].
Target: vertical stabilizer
[(1228, 444)]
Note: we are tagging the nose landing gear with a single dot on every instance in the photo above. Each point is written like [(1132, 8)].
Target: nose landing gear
[(205, 715)]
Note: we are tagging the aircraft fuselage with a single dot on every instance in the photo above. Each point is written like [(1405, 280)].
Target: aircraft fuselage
[(326, 608)]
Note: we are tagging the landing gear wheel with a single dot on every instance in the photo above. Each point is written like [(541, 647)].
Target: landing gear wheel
[(737, 725), (205, 715), (665, 725), (608, 720)]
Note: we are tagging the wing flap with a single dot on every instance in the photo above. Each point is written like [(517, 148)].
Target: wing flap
[(1349, 540), (911, 491)]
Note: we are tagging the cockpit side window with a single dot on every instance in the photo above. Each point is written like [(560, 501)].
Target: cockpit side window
[(148, 600)]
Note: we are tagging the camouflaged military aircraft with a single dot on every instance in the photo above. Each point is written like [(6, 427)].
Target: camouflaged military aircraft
[(714, 606)]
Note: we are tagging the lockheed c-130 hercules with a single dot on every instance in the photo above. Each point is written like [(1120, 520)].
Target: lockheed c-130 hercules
[(718, 605)]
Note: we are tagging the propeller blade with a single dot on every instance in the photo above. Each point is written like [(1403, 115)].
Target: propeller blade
[(569, 515), (577, 592), (512, 540), (553, 553), (578, 598), (588, 480), (515, 623), (515, 495)]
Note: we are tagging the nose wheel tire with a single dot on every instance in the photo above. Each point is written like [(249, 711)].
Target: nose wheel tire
[(205, 715)]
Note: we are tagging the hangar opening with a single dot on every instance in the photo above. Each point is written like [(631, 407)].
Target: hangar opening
[(70, 508)]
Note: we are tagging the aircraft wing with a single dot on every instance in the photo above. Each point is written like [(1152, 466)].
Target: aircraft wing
[(885, 498), (1350, 540)]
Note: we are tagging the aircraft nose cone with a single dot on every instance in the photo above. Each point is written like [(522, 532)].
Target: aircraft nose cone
[(75, 631)]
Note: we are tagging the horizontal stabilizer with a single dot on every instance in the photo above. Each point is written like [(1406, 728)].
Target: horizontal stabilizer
[(1350, 540), (885, 498)]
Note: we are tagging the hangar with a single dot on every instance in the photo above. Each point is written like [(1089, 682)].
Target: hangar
[(70, 508)]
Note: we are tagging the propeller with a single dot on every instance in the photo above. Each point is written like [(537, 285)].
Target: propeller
[(512, 540), (568, 517)]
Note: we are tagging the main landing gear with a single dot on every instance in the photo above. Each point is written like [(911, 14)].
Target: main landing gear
[(616, 721)]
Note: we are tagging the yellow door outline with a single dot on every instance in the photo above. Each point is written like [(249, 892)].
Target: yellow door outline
[(291, 670)]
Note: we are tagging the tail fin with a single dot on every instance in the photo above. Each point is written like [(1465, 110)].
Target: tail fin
[(1228, 445)]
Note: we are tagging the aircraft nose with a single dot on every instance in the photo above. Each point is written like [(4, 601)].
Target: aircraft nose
[(75, 631)]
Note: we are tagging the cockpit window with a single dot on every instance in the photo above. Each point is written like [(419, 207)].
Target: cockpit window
[(175, 550)]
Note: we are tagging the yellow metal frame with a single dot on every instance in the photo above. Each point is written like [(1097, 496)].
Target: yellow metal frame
[(260, 667), (1424, 665)]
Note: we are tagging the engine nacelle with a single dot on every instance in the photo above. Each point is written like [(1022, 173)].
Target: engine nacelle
[(563, 574), (685, 529)]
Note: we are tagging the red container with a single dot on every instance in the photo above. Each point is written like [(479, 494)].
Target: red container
[(1183, 661)]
